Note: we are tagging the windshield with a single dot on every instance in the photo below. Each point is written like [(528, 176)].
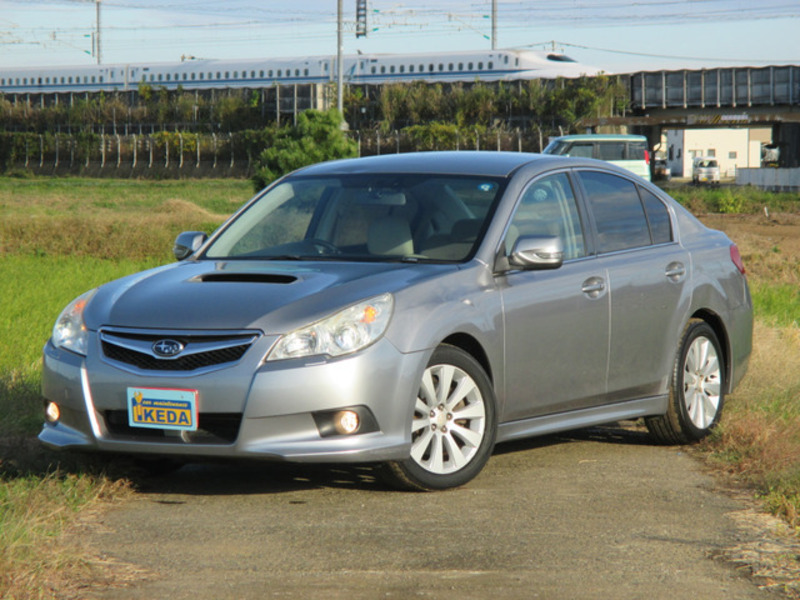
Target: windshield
[(364, 217), (560, 147), (707, 164)]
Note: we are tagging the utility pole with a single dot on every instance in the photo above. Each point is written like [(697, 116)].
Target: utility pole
[(339, 65), (97, 33), (494, 24)]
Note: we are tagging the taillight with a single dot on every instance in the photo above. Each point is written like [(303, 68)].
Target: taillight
[(647, 157), (737, 259)]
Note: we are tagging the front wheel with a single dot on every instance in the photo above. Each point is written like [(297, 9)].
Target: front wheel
[(697, 388), (453, 427)]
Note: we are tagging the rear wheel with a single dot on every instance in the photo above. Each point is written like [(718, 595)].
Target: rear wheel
[(453, 427), (696, 393)]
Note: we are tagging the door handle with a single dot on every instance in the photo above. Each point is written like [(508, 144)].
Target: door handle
[(593, 287), (675, 271)]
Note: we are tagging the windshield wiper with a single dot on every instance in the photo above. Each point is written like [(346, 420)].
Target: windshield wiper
[(283, 257), (410, 259)]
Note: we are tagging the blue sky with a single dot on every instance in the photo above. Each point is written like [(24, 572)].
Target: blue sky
[(616, 35)]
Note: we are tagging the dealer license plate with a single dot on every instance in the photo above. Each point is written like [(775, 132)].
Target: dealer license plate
[(159, 408)]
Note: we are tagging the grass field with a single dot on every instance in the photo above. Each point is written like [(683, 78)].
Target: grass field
[(759, 438), (59, 238)]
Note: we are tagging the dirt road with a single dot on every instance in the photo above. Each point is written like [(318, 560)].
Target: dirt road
[(598, 514)]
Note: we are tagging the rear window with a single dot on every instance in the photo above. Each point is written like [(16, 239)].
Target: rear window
[(618, 212), (657, 217), (611, 150), (705, 164), (636, 150)]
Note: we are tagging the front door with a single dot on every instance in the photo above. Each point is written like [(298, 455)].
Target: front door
[(556, 322)]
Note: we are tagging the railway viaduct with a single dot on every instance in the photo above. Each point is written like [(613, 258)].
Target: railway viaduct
[(709, 98)]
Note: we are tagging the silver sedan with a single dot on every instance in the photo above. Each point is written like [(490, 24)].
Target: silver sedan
[(410, 311)]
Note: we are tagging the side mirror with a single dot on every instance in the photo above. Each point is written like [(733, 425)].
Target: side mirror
[(187, 243), (537, 252)]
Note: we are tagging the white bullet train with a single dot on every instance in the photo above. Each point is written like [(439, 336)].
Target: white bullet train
[(489, 65)]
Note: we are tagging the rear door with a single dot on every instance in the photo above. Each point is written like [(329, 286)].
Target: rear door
[(647, 272)]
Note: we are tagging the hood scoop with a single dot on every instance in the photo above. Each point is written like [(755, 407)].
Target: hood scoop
[(223, 277)]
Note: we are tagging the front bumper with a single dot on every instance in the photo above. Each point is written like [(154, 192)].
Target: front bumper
[(252, 409)]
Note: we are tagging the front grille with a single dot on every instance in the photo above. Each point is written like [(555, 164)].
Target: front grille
[(184, 363), (200, 351), (212, 428)]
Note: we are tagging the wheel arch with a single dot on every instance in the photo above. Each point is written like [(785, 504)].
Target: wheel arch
[(474, 348), (715, 322)]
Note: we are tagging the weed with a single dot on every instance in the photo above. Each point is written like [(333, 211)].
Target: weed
[(727, 202), (777, 304), (36, 508), (748, 200), (759, 437)]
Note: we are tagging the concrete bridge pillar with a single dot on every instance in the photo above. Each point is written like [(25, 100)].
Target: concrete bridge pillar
[(653, 135)]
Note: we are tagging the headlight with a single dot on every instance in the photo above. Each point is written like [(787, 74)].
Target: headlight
[(70, 331), (349, 330)]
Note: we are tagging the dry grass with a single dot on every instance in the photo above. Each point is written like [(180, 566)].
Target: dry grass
[(770, 245), (758, 440), (109, 219), (759, 437), (40, 502), (105, 234)]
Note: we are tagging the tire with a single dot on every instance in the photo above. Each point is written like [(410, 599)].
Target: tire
[(697, 388), (453, 427)]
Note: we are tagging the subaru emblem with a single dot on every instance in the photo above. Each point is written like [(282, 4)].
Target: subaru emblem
[(167, 348)]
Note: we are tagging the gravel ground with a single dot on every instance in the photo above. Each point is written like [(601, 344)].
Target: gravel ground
[(597, 514)]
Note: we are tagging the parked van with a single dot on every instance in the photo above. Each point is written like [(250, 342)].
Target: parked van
[(705, 170), (628, 151)]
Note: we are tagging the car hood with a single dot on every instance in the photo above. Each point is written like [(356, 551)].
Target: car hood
[(274, 297)]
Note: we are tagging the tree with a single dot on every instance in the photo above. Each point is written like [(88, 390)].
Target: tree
[(317, 137)]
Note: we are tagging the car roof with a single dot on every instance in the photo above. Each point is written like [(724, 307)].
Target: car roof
[(481, 163), (594, 137)]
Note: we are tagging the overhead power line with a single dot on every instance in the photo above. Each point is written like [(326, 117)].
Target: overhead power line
[(662, 56), (237, 23)]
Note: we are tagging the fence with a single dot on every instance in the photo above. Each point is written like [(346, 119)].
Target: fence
[(774, 180), (167, 154), (158, 155)]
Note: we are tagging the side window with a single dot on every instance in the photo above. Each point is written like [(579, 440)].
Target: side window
[(583, 150), (548, 207), (657, 217), (618, 212), (611, 150)]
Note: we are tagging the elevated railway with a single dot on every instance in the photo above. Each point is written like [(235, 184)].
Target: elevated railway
[(707, 98)]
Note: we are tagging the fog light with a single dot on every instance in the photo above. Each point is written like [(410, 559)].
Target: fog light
[(352, 420), (52, 412), (346, 422)]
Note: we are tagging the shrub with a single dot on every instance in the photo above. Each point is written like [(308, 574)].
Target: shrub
[(317, 137)]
